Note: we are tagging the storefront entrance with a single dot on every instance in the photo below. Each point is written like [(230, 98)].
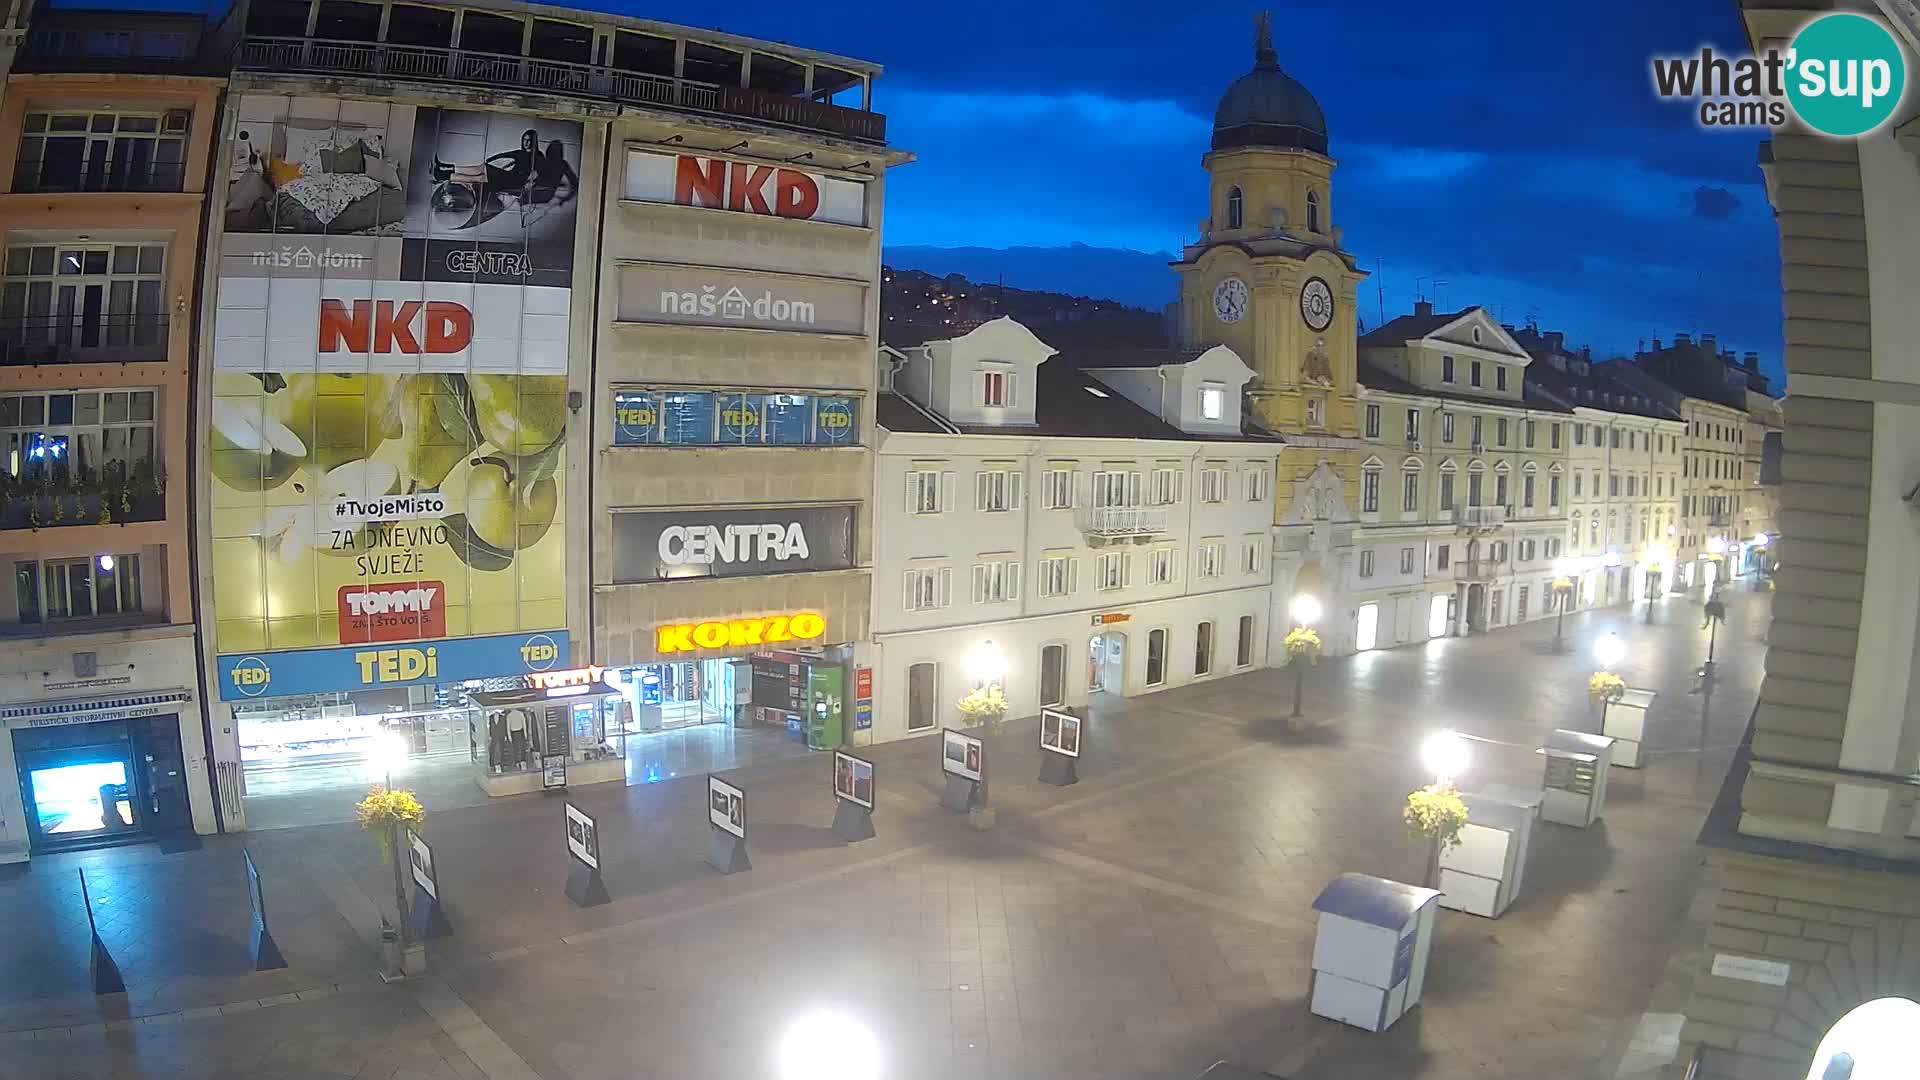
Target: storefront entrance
[(109, 782), (1107, 663)]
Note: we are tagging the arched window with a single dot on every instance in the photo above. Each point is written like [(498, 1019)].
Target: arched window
[(1313, 212), (1236, 208)]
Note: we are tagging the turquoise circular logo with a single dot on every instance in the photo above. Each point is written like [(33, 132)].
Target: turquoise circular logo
[(1845, 74)]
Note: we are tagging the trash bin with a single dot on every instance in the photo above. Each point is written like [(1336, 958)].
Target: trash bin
[(1370, 950), (1575, 786), (1481, 874)]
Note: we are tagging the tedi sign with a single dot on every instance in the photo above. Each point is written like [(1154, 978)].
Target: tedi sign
[(661, 544)]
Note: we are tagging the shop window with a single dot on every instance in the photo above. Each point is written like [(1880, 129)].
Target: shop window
[(643, 53), (1203, 649), (712, 64), (922, 688), (1243, 655), (567, 42), (347, 20), (61, 589), (1156, 657), (412, 24), (481, 32)]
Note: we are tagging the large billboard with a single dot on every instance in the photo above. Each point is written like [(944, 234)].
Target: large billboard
[(387, 442)]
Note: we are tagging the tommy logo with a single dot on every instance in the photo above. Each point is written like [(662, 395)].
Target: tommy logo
[(393, 611)]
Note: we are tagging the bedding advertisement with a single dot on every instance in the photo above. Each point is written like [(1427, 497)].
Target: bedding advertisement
[(388, 433)]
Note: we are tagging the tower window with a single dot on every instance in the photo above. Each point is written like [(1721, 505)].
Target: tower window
[(1313, 212), (1236, 208)]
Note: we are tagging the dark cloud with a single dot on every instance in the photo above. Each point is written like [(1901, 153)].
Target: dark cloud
[(1714, 203)]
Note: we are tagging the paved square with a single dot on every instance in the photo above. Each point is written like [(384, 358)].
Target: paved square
[(1142, 924)]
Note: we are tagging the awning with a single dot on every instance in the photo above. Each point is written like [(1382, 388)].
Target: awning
[(92, 710)]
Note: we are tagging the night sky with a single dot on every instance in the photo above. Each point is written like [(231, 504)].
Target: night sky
[(1514, 149)]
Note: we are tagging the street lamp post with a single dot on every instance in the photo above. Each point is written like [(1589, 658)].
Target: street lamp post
[(988, 666), (1445, 755), (1609, 651), (1306, 612)]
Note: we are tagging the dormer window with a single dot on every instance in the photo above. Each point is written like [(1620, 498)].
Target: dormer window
[(1313, 212), (1213, 401), (1236, 208), (996, 389)]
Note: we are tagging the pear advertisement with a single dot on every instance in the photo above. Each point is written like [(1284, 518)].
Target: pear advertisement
[(387, 438)]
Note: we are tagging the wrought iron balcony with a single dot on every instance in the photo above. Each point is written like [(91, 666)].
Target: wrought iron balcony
[(110, 174), (1479, 517), (383, 60), (1123, 522), (1479, 569), (107, 339)]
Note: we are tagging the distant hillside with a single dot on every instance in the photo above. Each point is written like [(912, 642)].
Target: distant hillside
[(1139, 279), (917, 306)]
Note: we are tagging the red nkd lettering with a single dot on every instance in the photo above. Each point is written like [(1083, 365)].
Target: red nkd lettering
[(711, 182), (387, 326)]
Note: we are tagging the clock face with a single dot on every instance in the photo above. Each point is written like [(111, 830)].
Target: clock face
[(1316, 304), (1230, 300)]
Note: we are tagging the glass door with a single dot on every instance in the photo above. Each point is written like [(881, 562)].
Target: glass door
[(80, 796)]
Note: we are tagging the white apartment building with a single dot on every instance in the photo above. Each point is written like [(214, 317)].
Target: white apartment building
[(1086, 524), (1462, 495), (1625, 464)]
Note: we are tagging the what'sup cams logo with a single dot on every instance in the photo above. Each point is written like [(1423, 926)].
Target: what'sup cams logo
[(1843, 75)]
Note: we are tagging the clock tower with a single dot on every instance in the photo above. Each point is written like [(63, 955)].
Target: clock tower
[(1268, 277)]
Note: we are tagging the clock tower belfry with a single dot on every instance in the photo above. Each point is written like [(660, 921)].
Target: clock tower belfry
[(1268, 277)]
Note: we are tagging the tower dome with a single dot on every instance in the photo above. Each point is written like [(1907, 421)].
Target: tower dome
[(1268, 107)]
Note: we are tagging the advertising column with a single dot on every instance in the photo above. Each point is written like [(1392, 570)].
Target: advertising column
[(389, 422)]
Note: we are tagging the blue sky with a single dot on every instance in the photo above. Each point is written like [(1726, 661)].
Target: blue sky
[(1513, 149)]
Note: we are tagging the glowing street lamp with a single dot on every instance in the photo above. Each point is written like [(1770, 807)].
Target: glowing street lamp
[(1874, 1041), (828, 1046), (986, 663), (1445, 755), (387, 753), (1716, 545), (1609, 651), (1302, 643)]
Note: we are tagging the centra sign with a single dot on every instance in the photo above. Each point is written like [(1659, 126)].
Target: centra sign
[(720, 634)]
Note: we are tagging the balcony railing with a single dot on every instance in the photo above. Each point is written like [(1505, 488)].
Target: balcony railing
[(89, 498), (112, 174), (1479, 569), (1479, 517), (1121, 522), (109, 339), (433, 64)]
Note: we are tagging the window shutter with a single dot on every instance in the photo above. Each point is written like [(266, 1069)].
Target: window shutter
[(979, 582), (982, 481), (1173, 565), (907, 598), (946, 492), (1013, 489), (1013, 389), (1013, 580), (1073, 489), (913, 492), (1073, 576), (945, 592)]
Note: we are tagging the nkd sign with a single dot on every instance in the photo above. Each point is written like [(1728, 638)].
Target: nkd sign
[(700, 296), (657, 545), (744, 187)]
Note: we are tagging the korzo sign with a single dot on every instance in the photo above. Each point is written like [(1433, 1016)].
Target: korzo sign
[(655, 545)]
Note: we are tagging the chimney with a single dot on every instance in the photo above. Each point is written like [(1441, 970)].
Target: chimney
[(1707, 342), (1751, 361), (1557, 340), (1656, 345), (1422, 308), (1682, 339)]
